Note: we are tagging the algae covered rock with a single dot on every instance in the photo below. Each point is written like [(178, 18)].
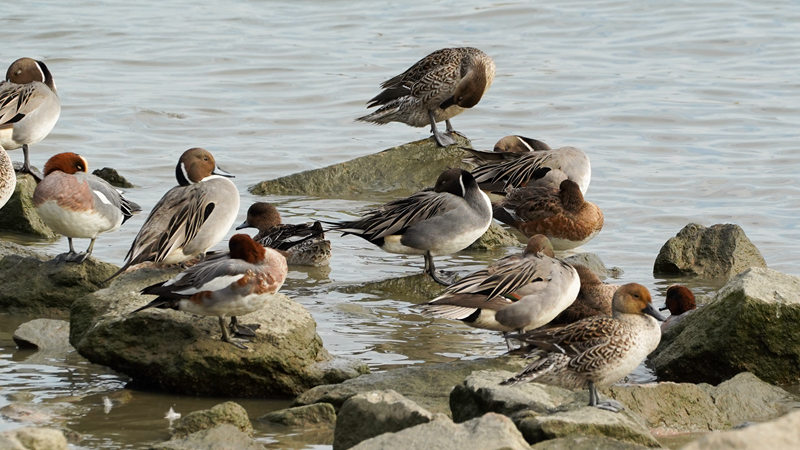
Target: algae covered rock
[(20, 216), (750, 325), (222, 436), (183, 353), (315, 415), (718, 251), (397, 171), (229, 412)]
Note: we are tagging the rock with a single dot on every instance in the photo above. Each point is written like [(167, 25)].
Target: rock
[(584, 421), (586, 443), (777, 434), (395, 172), (748, 326), (595, 264), (373, 413), (491, 431), (718, 251), (229, 412), (224, 436), (38, 285), (113, 177), (20, 216), (315, 415), (745, 398), (32, 438), (495, 237), (413, 288), (47, 335), (427, 385), (183, 353)]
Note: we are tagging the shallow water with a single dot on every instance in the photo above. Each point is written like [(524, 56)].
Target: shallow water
[(688, 111)]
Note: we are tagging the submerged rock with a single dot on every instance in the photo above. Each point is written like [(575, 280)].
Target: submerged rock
[(316, 415), (718, 251), (33, 438), (48, 335), (749, 325), (20, 216), (219, 437), (777, 434), (496, 237), (113, 177), (397, 171), (183, 353), (225, 413)]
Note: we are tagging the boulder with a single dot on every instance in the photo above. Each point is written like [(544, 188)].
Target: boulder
[(595, 264), (223, 436), (777, 434), (427, 385), (48, 335), (36, 284), (315, 415), (750, 325), (394, 172), (20, 216), (716, 252), (746, 398), (373, 413), (33, 438), (113, 177), (491, 431), (586, 443), (494, 238), (225, 413), (183, 353)]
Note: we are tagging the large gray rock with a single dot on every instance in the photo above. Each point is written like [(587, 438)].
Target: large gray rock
[(496, 237), (718, 251), (491, 431), (750, 325), (745, 398), (224, 436), (224, 413), (373, 413), (183, 353), (33, 438), (781, 433), (47, 335), (586, 443), (36, 284), (315, 415), (19, 215), (427, 385), (397, 171)]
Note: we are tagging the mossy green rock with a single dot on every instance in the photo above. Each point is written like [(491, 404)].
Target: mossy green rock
[(229, 412), (183, 353), (750, 325), (224, 436), (316, 415), (20, 216), (394, 172)]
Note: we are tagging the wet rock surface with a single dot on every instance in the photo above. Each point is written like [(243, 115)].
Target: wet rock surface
[(749, 325), (580, 442), (716, 252), (183, 353), (218, 437), (225, 413), (44, 335), (781, 433), (113, 177), (33, 438), (315, 415), (20, 216)]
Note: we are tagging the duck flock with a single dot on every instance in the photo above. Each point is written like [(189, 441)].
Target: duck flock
[(578, 331)]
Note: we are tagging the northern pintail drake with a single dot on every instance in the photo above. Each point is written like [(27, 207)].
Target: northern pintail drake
[(680, 302), (8, 179), (518, 161), (560, 213), (302, 244), (432, 222), (232, 285), (596, 351), (436, 88), (77, 204), (516, 293), (191, 217), (594, 298), (29, 106)]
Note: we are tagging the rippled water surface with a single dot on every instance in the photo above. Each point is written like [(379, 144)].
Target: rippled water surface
[(689, 111)]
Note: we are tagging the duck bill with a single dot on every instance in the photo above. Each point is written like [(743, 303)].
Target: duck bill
[(244, 224), (651, 310), (222, 173), (663, 308)]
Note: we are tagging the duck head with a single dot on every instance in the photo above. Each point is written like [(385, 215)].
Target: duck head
[(679, 300), (539, 244), (633, 298), (67, 162), (261, 215), (28, 70), (195, 165), (245, 248), (455, 181)]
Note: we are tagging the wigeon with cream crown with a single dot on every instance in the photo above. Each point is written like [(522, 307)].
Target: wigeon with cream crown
[(77, 204), (231, 285), (191, 217)]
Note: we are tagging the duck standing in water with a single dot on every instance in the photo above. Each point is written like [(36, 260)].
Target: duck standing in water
[(597, 351), (436, 88)]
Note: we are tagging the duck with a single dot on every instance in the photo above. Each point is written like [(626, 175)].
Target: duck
[(518, 161), (596, 351), (8, 179), (77, 204), (436, 88), (191, 217), (29, 107), (681, 303), (594, 298), (432, 222), (234, 284), (301, 244), (517, 293), (561, 214)]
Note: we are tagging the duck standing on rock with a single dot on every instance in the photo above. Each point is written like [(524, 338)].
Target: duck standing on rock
[(596, 351), (516, 293), (436, 88), (561, 214), (432, 222), (232, 285), (302, 244), (29, 107), (191, 217), (78, 204)]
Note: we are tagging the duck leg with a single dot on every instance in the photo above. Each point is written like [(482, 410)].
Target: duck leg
[(26, 165), (450, 129), (441, 138), (608, 405), (430, 269), (238, 329), (226, 337), (76, 257)]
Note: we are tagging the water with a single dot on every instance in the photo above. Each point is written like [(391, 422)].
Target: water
[(688, 111)]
